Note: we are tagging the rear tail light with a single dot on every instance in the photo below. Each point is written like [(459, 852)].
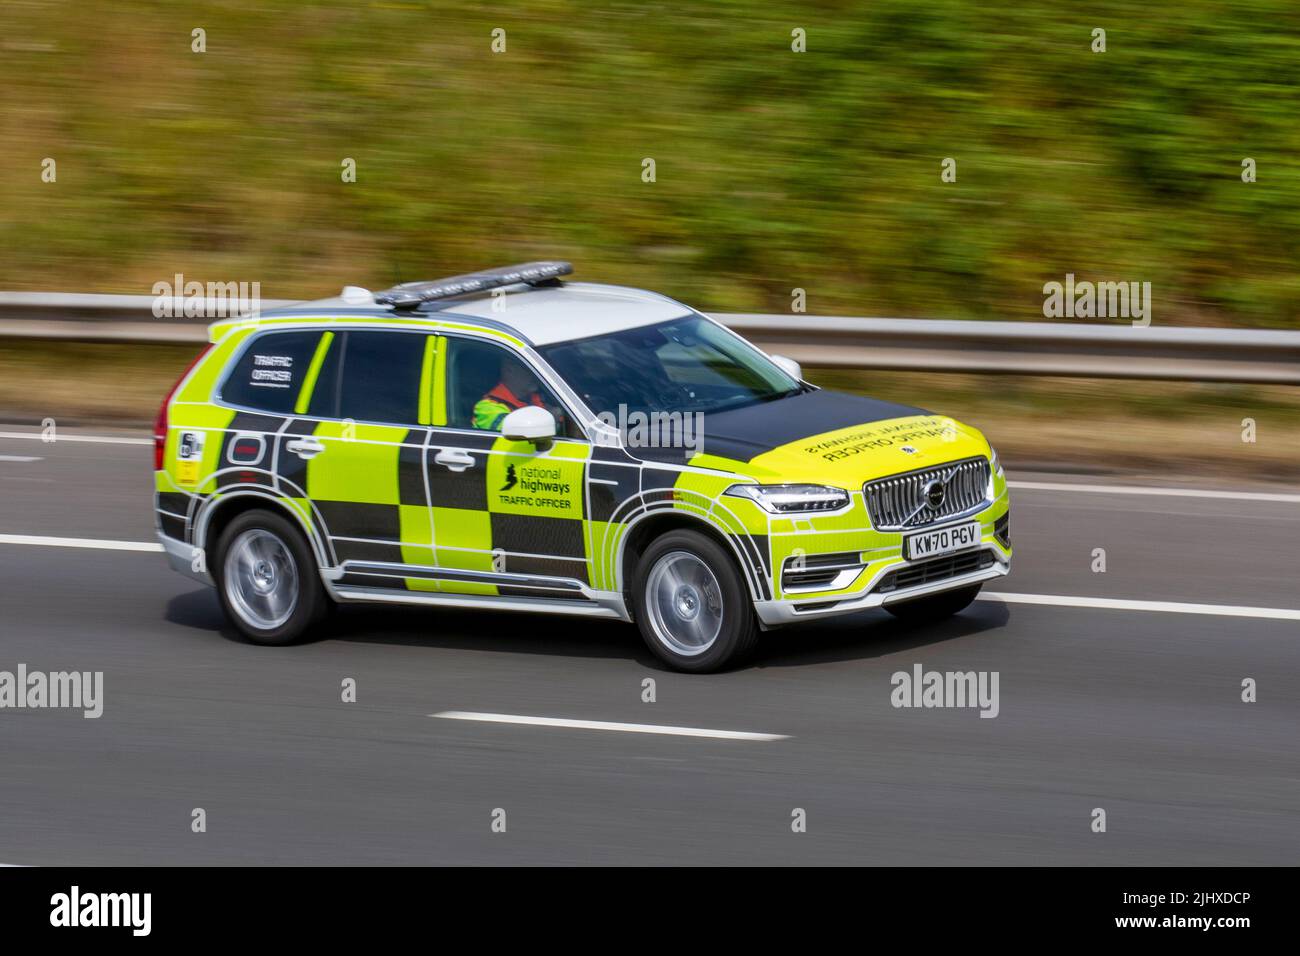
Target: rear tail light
[(160, 424)]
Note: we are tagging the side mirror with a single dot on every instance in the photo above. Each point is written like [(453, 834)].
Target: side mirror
[(788, 365), (530, 423)]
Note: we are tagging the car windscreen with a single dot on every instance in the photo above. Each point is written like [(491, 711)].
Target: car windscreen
[(684, 365)]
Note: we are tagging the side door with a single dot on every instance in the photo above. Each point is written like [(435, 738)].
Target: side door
[(510, 517), (355, 452)]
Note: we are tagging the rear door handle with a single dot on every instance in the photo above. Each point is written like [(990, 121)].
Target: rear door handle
[(305, 447), (453, 459)]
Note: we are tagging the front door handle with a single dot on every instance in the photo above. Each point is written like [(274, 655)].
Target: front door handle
[(453, 459), (305, 447)]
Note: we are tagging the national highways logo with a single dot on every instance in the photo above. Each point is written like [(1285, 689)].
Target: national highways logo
[(534, 486)]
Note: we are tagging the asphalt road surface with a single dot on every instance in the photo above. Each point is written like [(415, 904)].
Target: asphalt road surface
[(1132, 708)]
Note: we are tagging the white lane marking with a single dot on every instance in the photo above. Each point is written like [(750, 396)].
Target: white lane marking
[(1050, 600), (98, 439), (20, 458), (607, 725), (1166, 607), (100, 544), (1163, 492)]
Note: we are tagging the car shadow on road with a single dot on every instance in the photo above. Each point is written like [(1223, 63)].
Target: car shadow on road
[(199, 609), (483, 630), (866, 634), (506, 631)]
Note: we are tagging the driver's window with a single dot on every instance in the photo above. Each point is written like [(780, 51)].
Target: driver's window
[(486, 382)]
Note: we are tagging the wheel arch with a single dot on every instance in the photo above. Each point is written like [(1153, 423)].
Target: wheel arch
[(217, 514), (652, 524)]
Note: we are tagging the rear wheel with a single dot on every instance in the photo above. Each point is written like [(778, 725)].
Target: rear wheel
[(267, 580), (691, 604), (934, 607)]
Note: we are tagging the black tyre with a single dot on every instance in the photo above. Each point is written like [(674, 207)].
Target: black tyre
[(691, 604), (934, 607), (267, 579)]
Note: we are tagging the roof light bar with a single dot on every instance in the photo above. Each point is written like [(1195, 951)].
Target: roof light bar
[(408, 295)]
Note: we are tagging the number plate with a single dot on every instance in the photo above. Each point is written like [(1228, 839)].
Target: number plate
[(929, 544)]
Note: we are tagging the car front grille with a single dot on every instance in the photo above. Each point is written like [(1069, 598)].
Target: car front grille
[(901, 502), (936, 569)]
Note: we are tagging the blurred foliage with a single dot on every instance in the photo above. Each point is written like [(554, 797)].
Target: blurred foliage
[(775, 169)]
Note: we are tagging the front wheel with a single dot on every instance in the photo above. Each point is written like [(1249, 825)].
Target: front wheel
[(692, 606), (934, 607), (267, 580)]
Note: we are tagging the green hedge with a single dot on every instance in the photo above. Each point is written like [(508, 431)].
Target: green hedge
[(775, 169)]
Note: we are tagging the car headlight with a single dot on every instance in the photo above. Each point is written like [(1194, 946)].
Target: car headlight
[(997, 465), (792, 499), (995, 472)]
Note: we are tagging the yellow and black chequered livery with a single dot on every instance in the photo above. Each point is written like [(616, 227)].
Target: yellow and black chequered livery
[(662, 470)]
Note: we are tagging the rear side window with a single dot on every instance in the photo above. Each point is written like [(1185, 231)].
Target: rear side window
[(271, 371), (324, 402), (380, 377)]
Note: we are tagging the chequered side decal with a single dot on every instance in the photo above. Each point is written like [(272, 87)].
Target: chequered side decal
[(558, 537)]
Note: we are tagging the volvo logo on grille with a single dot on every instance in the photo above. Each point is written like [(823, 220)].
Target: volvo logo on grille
[(933, 494)]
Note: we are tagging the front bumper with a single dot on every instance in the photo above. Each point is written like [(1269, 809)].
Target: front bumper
[(778, 613)]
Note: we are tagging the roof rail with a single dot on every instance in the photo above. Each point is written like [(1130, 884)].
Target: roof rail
[(409, 295)]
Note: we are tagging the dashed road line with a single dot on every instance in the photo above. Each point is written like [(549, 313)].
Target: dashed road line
[(97, 439), (1165, 607), (565, 722), (99, 544)]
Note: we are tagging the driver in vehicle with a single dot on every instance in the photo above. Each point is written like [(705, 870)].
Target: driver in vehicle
[(516, 387)]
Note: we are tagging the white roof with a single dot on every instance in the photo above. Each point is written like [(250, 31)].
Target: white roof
[(575, 310)]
